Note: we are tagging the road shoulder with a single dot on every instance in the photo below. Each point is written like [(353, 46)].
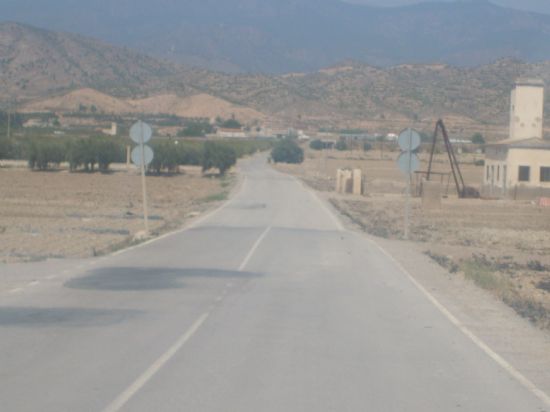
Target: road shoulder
[(519, 343)]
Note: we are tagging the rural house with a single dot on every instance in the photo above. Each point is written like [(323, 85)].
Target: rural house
[(519, 167)]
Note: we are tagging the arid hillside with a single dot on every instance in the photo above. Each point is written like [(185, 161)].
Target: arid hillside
[(199, 105), (47, 70), (35, 63)]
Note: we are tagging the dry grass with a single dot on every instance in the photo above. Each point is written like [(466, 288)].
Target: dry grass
[(61, 214)]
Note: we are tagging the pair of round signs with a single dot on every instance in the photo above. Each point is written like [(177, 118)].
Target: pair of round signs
[(409, 140), (141, 133)]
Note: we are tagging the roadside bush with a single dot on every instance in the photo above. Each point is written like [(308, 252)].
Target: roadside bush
[(190, 155), (43, 155), (341, 145), (478, 138), (218, 155), (229, 123), (92, 151), (287, 151), (79, 152), (196, 129), (367, 146), (317, 145), (166, 157), (107, 152), (5, 148)]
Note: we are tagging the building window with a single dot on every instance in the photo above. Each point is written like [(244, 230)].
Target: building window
[(545, 174), (524, 173), (498, 173)]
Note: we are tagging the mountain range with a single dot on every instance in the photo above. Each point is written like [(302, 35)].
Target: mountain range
[(281, 36), (45, 70)]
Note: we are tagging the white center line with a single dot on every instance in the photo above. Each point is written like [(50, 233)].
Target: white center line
[(254, 248), (146, 376), (140, 382)]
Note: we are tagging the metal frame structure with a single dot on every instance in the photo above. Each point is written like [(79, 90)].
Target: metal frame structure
[(461, 188)]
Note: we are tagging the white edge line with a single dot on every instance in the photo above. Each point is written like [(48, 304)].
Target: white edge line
[(530, 386), (312, 192), (146, 376), (254, 248), (518, 376), (189, 226)]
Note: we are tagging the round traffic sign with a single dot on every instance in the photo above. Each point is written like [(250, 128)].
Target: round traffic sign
[(409, 140), (408, 162), (137, 155), (141, 130)]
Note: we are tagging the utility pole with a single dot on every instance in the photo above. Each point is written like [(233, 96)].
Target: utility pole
[(9, 119)]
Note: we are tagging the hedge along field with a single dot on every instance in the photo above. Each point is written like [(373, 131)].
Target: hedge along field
[(90, 154)]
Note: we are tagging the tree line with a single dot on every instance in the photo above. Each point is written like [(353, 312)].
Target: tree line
[(92, 154)]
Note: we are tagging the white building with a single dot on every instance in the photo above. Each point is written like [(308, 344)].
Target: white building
[(226, 133), (519, 167), (113, 131), (526, 109)]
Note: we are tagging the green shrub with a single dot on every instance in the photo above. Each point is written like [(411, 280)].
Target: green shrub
[(43, 155), (367, 146), (317, 144), (196, 129), (5, 148), (107, 152), (218, 155), (189, 155), (478, 138), (167, 157), (229, 123), (341, 145), (287, 151), (79, 152)]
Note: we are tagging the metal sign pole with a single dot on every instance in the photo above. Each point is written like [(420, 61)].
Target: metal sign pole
[(9, 121), (141, 156), (143, 183), (408, 194), (409, 140)]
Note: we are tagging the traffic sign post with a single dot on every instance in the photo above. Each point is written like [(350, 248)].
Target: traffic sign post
[(408, 162), (142, 155)]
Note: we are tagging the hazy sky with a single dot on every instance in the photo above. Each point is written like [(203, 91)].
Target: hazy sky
[(541, 6)]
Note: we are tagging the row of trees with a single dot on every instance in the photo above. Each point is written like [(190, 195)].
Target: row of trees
[(98, 153), (87, 153), (341, 145), (202, 127)]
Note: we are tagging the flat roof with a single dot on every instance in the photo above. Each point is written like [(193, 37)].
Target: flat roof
[(531, 143), (530, 81)]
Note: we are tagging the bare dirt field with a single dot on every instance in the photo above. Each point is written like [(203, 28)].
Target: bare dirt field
[(503, 246), (66, 215)]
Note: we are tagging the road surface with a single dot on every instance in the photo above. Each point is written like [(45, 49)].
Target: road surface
[(266, 305)]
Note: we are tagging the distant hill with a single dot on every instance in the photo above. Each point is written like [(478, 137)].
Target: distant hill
[(58, 71), (35, 62), (200, 105), (279, 36)]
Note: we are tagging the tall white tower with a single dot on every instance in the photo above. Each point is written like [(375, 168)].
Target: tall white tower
[(527, 109)]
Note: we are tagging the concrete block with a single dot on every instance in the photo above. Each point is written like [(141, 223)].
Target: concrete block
[(357, 182), (431, 195)]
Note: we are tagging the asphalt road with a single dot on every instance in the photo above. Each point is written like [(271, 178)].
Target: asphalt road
[(266, 305)]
